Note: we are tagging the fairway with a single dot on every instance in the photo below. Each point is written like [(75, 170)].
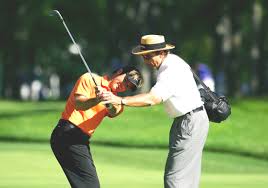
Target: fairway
[(131, 158), (33, 166), (236, 135)]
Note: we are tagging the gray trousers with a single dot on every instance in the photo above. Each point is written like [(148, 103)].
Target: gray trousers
[(186, 142)]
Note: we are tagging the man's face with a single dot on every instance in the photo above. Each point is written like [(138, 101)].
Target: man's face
[(153, 59), (120, 83)]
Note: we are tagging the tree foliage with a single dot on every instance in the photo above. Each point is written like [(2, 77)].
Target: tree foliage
[(107, 29)]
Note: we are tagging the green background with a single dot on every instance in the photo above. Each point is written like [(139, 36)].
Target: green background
[(130, 151)]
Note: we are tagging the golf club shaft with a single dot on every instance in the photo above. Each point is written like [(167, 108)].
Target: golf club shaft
[(83, 59)]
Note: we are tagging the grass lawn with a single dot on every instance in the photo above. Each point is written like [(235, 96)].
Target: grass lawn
[(34, 166), (236, 151), (245, 132)]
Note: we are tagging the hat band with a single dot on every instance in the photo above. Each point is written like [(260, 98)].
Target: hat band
[(153, 46)]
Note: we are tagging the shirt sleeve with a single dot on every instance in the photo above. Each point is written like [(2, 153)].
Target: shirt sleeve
[(162, 89), (84, 86)]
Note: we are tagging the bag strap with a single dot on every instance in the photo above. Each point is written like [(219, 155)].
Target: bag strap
[(207, 89), (200, 81)]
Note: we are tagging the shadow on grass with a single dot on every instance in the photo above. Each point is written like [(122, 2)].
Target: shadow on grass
[(147, 146)]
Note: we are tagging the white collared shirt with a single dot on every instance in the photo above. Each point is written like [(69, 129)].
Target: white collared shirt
[(176, 86)]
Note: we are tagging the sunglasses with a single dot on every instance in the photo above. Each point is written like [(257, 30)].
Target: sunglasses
[(150, 55)]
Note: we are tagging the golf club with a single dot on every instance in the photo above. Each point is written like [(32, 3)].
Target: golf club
[(57, 13)]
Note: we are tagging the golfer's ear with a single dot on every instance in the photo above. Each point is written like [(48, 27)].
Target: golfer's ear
[(162, 53)]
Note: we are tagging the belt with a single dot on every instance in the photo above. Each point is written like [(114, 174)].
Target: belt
[(196, 110), (191, 112), (65, 127)]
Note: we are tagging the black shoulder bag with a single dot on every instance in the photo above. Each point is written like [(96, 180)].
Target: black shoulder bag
[(217, 107)]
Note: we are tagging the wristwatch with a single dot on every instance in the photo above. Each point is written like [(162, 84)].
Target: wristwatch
[(123, 101)]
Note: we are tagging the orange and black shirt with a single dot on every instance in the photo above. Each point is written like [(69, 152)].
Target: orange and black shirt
[(87, 120)]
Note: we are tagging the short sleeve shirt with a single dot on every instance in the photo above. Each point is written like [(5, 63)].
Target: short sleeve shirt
[(176, 86), (88, 120)]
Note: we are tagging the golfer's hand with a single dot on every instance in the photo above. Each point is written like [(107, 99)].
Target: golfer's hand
[(98, 91), (108, 97)]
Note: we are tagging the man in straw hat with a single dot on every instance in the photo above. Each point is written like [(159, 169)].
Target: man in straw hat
[(176, 88)]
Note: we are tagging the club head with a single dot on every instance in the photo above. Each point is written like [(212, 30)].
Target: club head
[(55, 13)]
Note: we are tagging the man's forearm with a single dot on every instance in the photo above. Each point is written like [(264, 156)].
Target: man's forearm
[(145, 99), (140, 100), (84, 104)]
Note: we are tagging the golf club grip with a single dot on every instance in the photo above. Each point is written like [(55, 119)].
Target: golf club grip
[(108, 105)]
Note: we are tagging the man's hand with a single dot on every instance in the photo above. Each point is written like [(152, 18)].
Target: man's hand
[(99, 95), (83, 103), (98, 91), (108, 97), (114, 107)]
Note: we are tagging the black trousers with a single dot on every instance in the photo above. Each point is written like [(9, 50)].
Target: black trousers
[(71, 148)]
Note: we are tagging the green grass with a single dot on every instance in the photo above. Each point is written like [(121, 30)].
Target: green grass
[(28, 120), (34, 166), (144, 134), (243, 133)]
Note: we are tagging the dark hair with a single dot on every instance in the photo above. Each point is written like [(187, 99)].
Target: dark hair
[(125, 69), (133, 75), (165, 51)]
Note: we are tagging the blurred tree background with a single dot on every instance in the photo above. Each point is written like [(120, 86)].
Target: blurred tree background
[(228, 35)]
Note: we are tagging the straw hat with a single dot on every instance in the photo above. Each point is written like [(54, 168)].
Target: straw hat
[(151, 43)]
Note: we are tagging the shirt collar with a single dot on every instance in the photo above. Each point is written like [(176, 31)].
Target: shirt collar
[(163, 64), (105, 82)]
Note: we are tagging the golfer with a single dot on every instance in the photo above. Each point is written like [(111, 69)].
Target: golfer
[(81, 116), (176, 88)]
